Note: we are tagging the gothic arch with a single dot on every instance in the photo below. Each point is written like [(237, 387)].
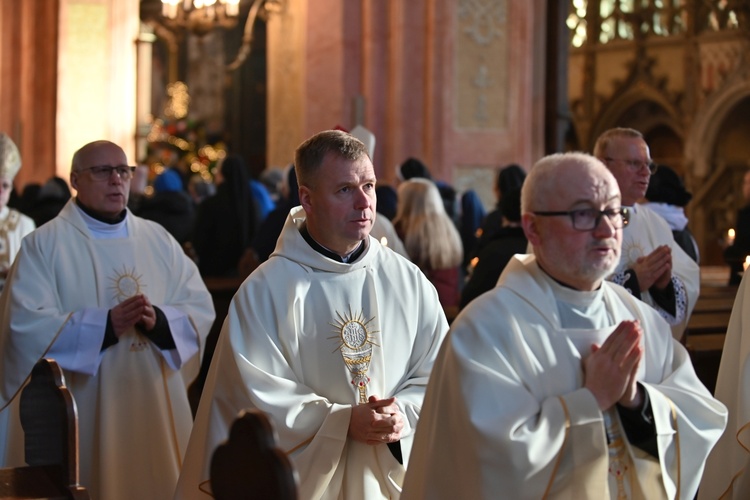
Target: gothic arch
[(621, 106), (709, 121)]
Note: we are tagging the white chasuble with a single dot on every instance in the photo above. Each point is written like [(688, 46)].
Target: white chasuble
[(728, 467), (13, 227), (306, 338), (506, 414), (646, 231), (630, 470), (133, 414)]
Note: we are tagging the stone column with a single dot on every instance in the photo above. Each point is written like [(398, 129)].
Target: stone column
[(287, 101), (28, 81)]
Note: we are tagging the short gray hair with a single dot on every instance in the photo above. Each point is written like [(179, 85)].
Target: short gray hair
[(541, 183), (605, 139)]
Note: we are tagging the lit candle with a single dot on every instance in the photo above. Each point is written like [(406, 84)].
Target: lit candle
[(232, 7), (746, 263), (730, 236), (384, 241), (169, 8)]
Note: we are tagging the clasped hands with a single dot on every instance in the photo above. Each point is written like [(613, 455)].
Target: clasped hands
[(654, 269), (377, 421), (610, 370), (136, 310)]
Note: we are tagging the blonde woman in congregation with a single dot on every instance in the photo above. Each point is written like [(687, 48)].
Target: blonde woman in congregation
[(430, 237)]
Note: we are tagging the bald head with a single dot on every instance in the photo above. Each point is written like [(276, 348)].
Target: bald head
[(101, 175), (82, 157), (554, 173)]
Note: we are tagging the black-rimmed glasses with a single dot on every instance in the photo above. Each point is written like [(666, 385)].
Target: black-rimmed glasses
[(586, 219), (104, 172)]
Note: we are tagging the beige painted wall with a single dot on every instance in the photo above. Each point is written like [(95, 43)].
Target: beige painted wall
[(96, 91)]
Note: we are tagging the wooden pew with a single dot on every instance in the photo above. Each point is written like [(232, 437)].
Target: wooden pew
[(50, 424)]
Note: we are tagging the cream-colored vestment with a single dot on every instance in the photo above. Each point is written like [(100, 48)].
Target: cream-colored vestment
[(646, 231), (727, 473), (133, 413), (13, 227), (306, 338), (506, 414)]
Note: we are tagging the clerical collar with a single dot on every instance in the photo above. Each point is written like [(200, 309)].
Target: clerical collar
[(565, 285), (102, 229), (346, 259), (118, 219)]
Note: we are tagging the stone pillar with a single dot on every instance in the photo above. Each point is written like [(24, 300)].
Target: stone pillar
[(455, 83), (287, 101), (28, 81)]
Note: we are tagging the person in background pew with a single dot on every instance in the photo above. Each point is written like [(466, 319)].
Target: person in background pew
[(558, 383), (117, 303), (430, 238), (333, 337), (497, 251), (727, 474), (667, 196)]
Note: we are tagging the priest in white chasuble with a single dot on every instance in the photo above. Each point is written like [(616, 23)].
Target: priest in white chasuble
[(333, 337), (13, 224), (728, 467), (653, 267), (558, 383), (115, 301)]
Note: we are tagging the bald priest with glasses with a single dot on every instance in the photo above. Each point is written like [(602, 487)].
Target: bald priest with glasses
[(115, 301), (653, 267), (558, 383)]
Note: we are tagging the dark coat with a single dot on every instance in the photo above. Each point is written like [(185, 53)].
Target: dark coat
[(172, 209), (493, 257)]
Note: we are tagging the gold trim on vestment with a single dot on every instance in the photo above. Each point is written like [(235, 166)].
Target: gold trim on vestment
[(6, 229), (171, 411), (303, 443), (742, 470), (677, 446), (737, 436), (28, 376), (562, 447), (202, 484)]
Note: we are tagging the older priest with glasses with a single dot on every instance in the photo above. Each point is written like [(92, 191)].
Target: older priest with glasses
[(558, 383), (653, 267), (113, 298)]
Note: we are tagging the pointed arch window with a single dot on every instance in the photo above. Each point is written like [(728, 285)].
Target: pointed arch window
[(605, 21)]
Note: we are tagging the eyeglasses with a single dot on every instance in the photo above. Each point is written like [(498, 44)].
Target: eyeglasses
[(587, 219), (104, 172), (636, 165)]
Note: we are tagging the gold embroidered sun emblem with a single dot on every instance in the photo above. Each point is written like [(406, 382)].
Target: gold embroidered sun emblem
[(631, 251), (126, 284), (355, 345)]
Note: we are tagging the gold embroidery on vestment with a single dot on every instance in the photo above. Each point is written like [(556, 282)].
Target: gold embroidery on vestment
[(356, 348), (126, 284), (620, 463)]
